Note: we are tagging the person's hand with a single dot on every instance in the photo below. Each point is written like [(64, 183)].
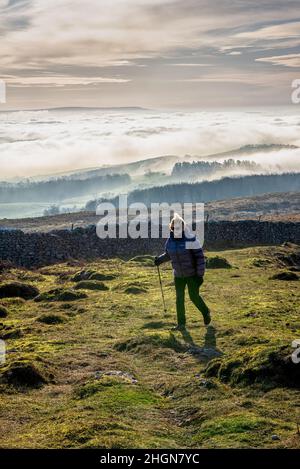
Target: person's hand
[(156, 262)]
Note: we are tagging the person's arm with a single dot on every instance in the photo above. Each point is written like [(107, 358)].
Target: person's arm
[(162, 258), (200, 261)]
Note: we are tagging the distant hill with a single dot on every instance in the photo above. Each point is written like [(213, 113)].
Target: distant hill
[(164, 162), (225, 188), (59, 189), (252, 149)]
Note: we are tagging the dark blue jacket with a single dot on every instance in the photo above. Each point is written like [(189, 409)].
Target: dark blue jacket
[(185, 262)]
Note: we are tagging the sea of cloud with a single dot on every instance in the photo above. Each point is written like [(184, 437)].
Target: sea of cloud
[(45, 142)]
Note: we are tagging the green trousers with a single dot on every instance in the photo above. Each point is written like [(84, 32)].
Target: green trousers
[(193, 284)]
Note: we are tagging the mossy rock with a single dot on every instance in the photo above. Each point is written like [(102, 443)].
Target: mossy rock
[(91, 285), (92, 275), (217, 262), (268, 366), (3, 312), (60, 295), (18, 289), (52, 319), (288, 276), (146, 260), (26, 373)]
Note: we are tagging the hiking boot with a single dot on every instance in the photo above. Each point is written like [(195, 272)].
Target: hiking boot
[(179, 327), (207, 318)]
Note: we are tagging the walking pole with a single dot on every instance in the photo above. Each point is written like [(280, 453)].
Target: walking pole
[(161, 289)]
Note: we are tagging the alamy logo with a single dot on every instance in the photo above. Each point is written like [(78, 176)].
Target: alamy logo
[(137, 220), (2, 92), (2, 352), (296, 92), (296, 353)]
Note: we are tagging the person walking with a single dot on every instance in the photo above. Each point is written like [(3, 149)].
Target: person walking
[(184, 251)]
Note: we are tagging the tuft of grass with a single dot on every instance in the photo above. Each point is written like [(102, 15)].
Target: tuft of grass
[(288, 276), (91, 285), (134, 290), (247, 428), (217, 262), (26, 374), (92, 275), (269, 366), (18, 290), (145, 343), (145, 260), (52, 319), (3, 312), (59, 294)]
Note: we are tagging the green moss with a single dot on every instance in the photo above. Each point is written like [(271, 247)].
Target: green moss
[(234, 426), (117, 393)]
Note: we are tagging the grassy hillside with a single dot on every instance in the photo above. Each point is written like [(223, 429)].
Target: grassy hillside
[(104, 370)]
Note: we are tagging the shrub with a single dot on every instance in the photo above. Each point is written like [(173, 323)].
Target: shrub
[(90, 285)]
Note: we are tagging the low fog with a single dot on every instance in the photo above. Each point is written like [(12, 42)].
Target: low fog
[(34, 143), (67, 159)]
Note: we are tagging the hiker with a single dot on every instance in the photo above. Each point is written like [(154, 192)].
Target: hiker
[(188, 267)]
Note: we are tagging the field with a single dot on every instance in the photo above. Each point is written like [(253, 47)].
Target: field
[(95, 365)]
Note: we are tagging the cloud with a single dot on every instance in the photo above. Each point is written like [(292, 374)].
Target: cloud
[(61, 81), (67, 42), (274, 32), (189, 65), (289, 60), (40, 142)]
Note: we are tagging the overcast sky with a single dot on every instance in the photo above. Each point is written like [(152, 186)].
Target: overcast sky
[(150, 53)]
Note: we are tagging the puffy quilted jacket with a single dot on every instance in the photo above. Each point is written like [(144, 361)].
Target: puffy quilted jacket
[(185, 262)]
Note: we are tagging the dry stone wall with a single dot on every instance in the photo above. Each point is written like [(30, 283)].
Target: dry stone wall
[(39, 249)]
